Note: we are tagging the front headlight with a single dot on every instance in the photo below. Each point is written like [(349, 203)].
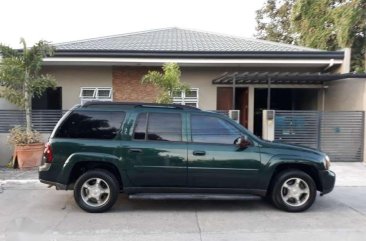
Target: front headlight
[(326, 162)]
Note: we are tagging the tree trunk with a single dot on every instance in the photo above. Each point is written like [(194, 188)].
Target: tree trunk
[(27, 104)]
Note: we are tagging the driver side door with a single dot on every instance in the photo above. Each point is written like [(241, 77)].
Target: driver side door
[(214, 161)]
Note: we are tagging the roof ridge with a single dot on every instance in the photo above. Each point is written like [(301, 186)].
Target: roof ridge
[(114, 36)]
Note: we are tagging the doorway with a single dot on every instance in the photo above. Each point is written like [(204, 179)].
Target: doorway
[(282, 99), (225, 101), (51, 99)]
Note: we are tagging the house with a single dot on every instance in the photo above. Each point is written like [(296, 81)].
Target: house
[(224, 73)]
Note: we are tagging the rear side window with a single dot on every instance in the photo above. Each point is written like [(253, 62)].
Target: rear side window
[(210, 129), (91, 125), (159, 127)]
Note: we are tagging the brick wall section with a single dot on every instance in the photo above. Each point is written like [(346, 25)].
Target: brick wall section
[(127, 85)]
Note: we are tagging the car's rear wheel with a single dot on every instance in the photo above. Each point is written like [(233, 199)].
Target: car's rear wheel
[(293, 191), (96, 190)]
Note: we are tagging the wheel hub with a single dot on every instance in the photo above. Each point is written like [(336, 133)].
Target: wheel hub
[(295, 192)]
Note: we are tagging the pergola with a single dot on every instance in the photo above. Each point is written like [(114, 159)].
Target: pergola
[(274, 78)]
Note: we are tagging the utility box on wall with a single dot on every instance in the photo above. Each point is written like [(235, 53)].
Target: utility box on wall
[(268, 125), (235, 115)]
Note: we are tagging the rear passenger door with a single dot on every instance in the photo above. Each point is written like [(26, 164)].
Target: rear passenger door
[(157, 153)]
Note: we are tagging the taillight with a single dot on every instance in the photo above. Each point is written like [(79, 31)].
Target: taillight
[(48, 153)]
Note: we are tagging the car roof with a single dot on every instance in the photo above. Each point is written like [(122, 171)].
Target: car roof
[(135, 105)]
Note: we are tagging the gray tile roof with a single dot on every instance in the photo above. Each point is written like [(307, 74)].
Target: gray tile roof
[(176, 40)]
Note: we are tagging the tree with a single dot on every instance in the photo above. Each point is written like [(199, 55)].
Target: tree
[(168, 82), (273, 22), (333, 24), (322, 24), (20, 76)]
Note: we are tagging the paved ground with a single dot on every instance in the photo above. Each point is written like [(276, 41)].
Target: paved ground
[(31, 211)]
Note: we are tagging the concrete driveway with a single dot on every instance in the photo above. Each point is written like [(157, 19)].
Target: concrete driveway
[(31, 211)]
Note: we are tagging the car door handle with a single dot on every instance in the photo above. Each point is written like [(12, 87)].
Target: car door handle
[(134, 150), (199, 153)]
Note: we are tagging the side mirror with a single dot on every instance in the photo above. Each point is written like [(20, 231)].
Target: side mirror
[(243, 142)]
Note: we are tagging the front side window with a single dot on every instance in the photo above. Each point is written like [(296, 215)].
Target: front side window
[(95, 93), (211, 129), (189, 97), (159, 127), (91, 125)]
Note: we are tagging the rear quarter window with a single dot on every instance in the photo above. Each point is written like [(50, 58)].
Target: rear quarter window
[(91, 125)]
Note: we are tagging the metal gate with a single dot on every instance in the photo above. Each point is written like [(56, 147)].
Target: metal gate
[(339, 134)]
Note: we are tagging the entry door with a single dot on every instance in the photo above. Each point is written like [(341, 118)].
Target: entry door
[(214, 161), (157, 155), (224, 99), (241, 103)]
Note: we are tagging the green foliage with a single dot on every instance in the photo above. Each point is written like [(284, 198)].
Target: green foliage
[(20, 75), (322, 24), (20, 67), (273, 22), (168, 81)]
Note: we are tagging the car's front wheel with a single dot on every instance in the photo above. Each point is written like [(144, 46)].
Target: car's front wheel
[(96, 191), (293, 191)]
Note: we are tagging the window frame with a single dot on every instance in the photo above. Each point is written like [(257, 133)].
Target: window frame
[(147, 126), (182, 99), (84, 99)]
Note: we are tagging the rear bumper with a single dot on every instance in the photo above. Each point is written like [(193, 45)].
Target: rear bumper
[(47, 174), (58, 186), (327, 179)]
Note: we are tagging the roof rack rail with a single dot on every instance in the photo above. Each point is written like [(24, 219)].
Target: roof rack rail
[(168, 106), (140, 105)]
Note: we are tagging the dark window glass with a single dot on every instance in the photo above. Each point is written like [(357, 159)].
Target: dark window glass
[(210, 129), (91, 125), (140, 127), (165, 127)]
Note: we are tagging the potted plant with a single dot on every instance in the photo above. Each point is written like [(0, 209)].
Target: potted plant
[(28, 147), (20, 81)]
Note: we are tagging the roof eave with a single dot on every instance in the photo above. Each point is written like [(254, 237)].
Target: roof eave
[(204, 54)]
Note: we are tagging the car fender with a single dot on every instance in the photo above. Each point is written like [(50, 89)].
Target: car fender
[(283, 159), (78, 157)]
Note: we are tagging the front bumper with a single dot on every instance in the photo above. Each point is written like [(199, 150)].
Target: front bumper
[(327, 180)]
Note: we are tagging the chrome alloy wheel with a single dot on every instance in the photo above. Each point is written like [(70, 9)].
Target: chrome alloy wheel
[(95, 192), (295, 192)]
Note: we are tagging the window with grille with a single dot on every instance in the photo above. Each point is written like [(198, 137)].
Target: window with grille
[(189, 97), (95, 93)]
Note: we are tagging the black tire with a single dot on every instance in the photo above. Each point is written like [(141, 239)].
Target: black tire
[(107, 181), (297, 195)]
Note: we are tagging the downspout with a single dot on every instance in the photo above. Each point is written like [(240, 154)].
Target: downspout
[(234, 94), (269, 94)]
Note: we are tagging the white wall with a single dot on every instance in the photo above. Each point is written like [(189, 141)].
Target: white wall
[(71, 79), (345, 95), (6, 105)]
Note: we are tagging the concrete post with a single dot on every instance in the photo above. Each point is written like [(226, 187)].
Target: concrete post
[(251, 108)]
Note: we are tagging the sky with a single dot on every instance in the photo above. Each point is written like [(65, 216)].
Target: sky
[(68, 20)]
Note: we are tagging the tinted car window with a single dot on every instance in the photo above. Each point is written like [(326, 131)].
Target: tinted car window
[(165, 127), (161, 127), (210, 129), (91, 125)]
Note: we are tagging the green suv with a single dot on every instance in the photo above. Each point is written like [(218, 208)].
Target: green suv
[(155, 151)]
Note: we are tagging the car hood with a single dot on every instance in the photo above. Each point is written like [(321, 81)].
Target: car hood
[(293, 147)]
